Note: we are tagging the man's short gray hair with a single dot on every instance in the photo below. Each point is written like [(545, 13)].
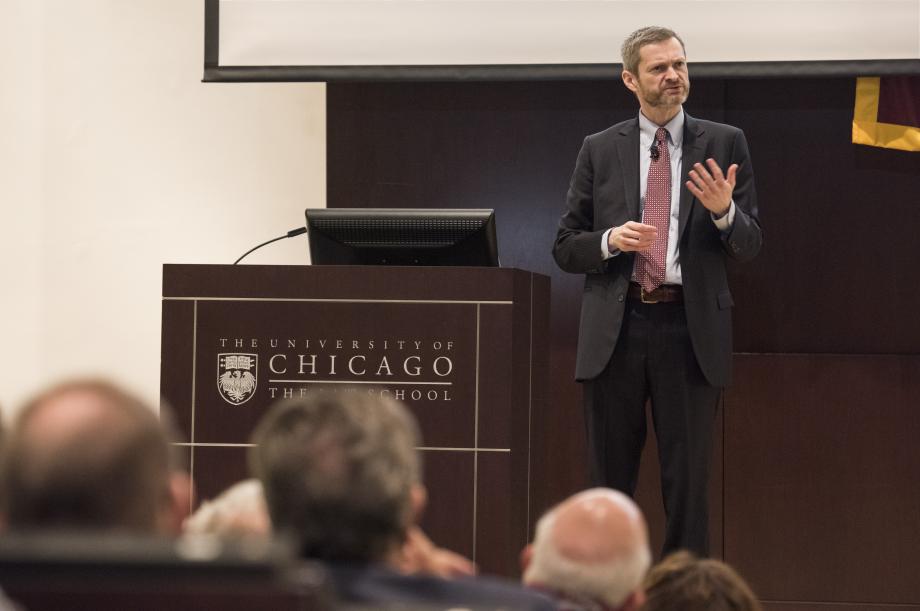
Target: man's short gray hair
[(641, 37), (338, 468)]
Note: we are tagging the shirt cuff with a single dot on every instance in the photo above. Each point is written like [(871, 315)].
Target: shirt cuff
[(727, 220), (605, 252)]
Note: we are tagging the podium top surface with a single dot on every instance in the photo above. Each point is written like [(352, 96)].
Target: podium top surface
[(356, 282)]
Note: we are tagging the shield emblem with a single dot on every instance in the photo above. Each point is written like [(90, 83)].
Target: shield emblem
[(237, 376)]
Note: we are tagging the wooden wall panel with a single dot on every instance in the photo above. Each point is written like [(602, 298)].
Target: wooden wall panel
[(822, 282), (822, 485), (831, 433)]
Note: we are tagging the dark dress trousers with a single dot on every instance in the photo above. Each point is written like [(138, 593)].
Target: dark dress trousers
[(678, 355)]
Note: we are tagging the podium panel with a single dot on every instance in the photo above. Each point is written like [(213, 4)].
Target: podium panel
[(464, 348)]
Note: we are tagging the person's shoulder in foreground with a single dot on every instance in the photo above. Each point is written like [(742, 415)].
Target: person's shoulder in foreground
[(381, 586)]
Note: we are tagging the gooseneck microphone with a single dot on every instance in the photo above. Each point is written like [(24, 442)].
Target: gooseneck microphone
[(290, 234)]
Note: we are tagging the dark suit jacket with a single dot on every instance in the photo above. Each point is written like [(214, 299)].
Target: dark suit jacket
[(375, 587), (604, 193)]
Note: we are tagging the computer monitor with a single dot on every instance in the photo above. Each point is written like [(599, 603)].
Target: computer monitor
[(402, 236)]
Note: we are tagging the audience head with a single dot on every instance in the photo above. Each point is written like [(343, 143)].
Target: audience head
[(240, 510), (593, 549), (683, 582), (340, 473), (87, 455)]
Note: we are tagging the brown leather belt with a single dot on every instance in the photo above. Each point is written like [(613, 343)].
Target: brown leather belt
[(666, 293)]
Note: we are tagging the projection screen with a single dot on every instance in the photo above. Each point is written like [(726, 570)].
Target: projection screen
[(328, 40)]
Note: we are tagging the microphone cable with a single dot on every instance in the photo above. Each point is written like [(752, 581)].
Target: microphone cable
[(290, 234)]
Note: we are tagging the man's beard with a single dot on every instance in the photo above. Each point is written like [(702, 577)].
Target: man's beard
[(658, 99)]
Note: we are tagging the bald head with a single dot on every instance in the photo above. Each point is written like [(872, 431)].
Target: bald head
[(86, 454), (598, 526), (593, 545)]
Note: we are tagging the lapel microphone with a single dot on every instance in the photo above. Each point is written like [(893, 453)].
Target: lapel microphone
[(655, 153)]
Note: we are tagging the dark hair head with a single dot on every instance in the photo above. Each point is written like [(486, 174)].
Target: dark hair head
[(684, 582), (338, 470)]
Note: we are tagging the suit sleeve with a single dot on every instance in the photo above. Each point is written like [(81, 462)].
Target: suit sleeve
[(578, 242), (742, 242)]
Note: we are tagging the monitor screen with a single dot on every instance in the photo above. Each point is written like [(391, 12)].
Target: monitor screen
[(402, 236)]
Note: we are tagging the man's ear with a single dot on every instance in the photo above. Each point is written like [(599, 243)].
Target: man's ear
[(177, 505), (419, 498), (526, 557), (634, 601), (629, 79)]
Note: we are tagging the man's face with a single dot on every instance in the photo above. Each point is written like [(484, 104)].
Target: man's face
[(662, 80)]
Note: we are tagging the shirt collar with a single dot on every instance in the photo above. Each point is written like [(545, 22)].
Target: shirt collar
[(675, 129)]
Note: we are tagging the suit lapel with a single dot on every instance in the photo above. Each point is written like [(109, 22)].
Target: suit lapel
[(693, 149), (628, 152)]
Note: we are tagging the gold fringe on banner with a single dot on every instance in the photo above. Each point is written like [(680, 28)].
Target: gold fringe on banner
[(866, 128)]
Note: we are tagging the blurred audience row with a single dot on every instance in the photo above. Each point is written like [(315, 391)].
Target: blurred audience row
[(339, 476)]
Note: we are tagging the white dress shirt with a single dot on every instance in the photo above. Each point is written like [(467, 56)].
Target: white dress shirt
[(675, 129)]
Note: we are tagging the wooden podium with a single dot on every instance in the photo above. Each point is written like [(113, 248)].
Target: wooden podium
[(464, 348)]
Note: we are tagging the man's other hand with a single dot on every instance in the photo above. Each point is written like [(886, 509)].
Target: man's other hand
[(711, 187), (632, 236)]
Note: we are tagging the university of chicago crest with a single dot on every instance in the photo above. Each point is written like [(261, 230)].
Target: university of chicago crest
[(236, 377)]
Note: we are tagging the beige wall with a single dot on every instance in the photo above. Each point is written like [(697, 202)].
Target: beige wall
[(115, 159)]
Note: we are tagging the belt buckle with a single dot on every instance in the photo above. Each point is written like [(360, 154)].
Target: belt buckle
[(642, 296)]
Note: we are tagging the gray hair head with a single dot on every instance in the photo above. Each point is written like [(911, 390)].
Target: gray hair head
[(644, 36), (592, 547), (338, 469)]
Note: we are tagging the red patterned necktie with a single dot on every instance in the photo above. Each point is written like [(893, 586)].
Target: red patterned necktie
[(657, 211)]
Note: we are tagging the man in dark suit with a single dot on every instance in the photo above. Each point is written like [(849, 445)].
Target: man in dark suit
[(655, 207)]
